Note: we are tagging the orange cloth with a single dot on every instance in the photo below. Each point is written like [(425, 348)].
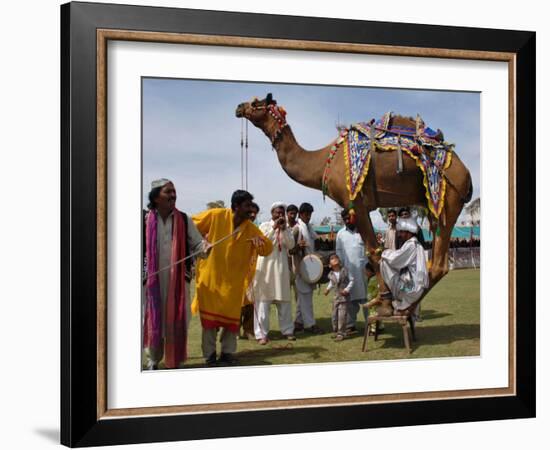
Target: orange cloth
[(224, 276)]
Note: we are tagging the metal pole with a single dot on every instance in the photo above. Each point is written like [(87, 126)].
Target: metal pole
[(246, 153), (242, 154)]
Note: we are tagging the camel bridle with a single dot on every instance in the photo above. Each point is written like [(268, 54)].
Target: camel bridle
[(276, 112)]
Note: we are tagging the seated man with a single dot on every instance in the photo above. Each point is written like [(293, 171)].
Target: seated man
[(404, 271)]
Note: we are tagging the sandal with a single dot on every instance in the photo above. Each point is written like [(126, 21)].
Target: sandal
[(314, 329)]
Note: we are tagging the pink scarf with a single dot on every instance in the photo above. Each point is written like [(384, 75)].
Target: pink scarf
[(175, 345)]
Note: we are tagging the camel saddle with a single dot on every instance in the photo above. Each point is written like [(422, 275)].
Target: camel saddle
[(402, 134)]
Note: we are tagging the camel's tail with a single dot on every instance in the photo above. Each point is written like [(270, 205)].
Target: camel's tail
[(470, 190)]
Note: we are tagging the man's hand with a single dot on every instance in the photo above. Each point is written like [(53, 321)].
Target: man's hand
[(257, 242), (280, 224), (207, 245), (345, 292), (326, 292), (302, 243)]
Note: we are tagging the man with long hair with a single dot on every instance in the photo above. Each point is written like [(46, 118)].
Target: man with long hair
[(169, 238)]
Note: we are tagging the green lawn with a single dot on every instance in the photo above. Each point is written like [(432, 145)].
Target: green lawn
[(450, 327)]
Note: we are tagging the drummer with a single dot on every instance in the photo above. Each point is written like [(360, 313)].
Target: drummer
[(304, 236)]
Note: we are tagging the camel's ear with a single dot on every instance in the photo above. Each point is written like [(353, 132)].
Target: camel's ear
[(269, 99)]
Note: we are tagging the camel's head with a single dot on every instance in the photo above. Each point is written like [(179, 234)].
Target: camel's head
[(265, 114)]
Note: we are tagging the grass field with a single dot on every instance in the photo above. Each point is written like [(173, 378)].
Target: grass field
[(450, 327)]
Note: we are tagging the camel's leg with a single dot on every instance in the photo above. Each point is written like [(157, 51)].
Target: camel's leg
[(365, 228), (440, 249), (364, 224)]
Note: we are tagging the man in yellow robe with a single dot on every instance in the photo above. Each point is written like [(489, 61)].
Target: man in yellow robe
[(223, 278)]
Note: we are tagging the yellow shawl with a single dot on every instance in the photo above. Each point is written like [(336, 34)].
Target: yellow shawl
[(223, 277)]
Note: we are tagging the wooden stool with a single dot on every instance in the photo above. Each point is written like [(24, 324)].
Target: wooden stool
[(406, 322)]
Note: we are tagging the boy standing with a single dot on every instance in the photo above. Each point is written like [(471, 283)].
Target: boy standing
[(342, 282)]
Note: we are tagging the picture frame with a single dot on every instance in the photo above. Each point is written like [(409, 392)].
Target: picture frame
[(86, 28)]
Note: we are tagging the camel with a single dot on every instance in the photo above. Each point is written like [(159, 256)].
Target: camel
[(383, 187)]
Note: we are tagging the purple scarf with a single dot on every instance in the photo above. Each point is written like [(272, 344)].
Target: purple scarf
[(176, 334)]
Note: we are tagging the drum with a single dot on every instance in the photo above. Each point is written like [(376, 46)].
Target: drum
[(311, 268)]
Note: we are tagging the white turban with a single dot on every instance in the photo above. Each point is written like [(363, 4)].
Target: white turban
[(278, 205), (159, 183), (408, 224)]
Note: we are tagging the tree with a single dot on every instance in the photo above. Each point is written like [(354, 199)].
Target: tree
[(338, 216), (215, 204), (474, 210), (421, 213), (325, 221)]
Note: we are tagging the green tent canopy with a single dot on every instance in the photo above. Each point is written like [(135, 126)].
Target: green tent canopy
[(458, 232)]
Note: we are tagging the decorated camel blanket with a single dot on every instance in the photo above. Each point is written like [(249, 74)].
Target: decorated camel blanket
[(426, 146)]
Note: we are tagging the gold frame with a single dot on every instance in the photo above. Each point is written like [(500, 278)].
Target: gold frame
[(103, 36)]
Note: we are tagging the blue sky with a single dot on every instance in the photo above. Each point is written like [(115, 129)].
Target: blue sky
[(192, 137)]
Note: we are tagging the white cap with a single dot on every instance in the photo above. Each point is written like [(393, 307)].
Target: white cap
[(159, 183), (278, 205), (409, 224)]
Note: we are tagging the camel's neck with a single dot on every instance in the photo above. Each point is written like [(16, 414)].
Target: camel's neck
[(304, 167)]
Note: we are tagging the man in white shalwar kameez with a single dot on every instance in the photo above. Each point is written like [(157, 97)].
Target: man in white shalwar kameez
[(272, 279), (351, 252), (405, 270), (304, 236)]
